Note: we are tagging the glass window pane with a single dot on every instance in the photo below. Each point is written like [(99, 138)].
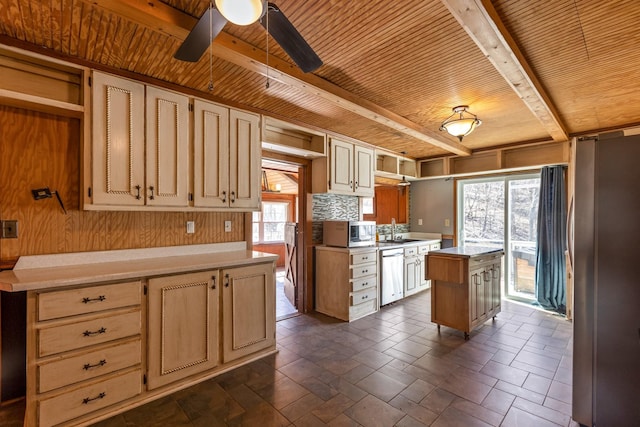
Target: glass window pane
[(256, 232), (273, 231)]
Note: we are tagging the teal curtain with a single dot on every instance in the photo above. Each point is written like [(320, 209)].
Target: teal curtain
[(551, 277)]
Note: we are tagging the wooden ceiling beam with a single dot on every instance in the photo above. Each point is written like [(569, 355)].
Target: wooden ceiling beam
[(175, 23), (481, 22)]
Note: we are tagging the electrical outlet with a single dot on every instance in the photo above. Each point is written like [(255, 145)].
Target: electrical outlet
[(9, 229), (447, 222), (420, 221), (227, 226), (191, 227)]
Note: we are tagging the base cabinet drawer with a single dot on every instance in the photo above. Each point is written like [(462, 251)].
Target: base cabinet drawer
[(84, 400), (362, 297), (363, 283), (70, 370), (364, 309), (91, 299), (86, 333)]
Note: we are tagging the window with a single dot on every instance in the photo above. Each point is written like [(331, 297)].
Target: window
[(503, 212), (268, 225)]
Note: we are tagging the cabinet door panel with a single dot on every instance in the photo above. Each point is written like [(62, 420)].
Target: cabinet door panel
[(341, 166), (183, 326), (211, 155), (245, 156), (249, 310), (167, 136), (410, 275), (364, 184), (117, 141)]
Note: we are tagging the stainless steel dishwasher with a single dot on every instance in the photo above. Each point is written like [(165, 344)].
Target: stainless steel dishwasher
[(392, 283)]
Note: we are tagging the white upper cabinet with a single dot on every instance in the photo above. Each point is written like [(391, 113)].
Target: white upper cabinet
[(226, 157), (118, 141), (167, 141), (140, 157), (348, 170)]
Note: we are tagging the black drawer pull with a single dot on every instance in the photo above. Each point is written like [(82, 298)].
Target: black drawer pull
[(88, 366), (364, 284), (88, 300), (226, 281), (102, 330), (86, 400), (365, 271), (365, 296)]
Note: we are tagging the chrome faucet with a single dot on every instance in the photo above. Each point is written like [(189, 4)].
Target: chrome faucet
[(393, 229)]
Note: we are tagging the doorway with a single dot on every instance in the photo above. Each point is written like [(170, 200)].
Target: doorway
[(503, 212), (275, 230)]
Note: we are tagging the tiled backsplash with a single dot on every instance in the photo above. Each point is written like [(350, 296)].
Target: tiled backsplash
[(338, 207), (332, 206)]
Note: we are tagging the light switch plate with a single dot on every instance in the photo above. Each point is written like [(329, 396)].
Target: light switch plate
[(191, 227), (227, 226)]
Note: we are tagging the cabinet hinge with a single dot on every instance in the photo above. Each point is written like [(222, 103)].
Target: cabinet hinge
[(90, 81), (144, 379), (144, 289), (89, 191), (190, 106), (191, 197)]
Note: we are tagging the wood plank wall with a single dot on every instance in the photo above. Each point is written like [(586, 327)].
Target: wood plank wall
[(41, 150)]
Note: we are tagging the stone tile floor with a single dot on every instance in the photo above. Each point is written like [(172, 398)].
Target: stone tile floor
[(388, 369)]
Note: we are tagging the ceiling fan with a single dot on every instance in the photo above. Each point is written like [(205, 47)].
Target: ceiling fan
[(270, 16)]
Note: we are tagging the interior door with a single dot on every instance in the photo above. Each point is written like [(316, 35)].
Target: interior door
[(291, 262)]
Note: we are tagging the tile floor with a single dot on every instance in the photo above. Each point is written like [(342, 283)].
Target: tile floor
[(388, 369), (284, 308)]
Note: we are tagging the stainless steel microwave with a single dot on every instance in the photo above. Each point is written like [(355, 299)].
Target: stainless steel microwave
[(349, 234)]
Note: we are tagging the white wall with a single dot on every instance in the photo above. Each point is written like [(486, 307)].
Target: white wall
[(433, 202)]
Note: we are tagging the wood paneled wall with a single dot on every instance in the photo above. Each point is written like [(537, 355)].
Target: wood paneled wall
[(39, 150)]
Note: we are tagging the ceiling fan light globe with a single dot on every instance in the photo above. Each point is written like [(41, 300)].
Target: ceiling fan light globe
[(241, 12), (461, 127)]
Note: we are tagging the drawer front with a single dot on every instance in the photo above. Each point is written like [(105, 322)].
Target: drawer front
[(71, 370), (411, 251), (363, 270), (435, 247), (363, 297), (91, 332), (87, 399), (71, 302), (364, 257), (363, 283), (360, 310), (423, 249)]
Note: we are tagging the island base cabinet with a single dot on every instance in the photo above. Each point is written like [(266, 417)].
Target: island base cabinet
[(465, 291), (183, 326), (249, 313)]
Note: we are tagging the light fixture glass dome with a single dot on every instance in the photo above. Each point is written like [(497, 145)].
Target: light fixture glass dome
[(241, 12), (458, 125)]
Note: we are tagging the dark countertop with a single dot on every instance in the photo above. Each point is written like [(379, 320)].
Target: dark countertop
[(467, 251)]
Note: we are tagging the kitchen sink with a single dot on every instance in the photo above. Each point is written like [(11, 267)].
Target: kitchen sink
[(398, 241)]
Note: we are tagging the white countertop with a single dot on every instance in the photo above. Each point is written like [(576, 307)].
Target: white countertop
[(57, 270)]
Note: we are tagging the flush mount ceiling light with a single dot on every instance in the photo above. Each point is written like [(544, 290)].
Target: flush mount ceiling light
[(458, 125), (241, 12)]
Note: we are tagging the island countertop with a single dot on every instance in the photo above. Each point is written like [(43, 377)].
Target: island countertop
[(467, 251), (53, 271)]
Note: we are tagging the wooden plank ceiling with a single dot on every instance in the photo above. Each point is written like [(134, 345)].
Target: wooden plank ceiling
[(407, 63)]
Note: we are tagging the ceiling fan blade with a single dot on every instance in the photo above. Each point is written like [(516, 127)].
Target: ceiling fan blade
[(283, 31), (201, 36)]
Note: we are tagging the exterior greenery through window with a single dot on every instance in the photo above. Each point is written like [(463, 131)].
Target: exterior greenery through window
[(268, 224)]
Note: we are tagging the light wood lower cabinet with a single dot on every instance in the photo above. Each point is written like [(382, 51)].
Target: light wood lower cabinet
[(97, 350), (83, 351), (465, 290), (183, 326), (249, 311), (347, 282)]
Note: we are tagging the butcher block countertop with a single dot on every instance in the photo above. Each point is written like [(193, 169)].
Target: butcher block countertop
[(466, 251), (59, 270)]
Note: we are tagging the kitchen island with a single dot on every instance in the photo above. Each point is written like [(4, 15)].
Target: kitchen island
[(108, 331), (465, 286)]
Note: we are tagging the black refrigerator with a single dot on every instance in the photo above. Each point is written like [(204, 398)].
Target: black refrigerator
[(606, 263)]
